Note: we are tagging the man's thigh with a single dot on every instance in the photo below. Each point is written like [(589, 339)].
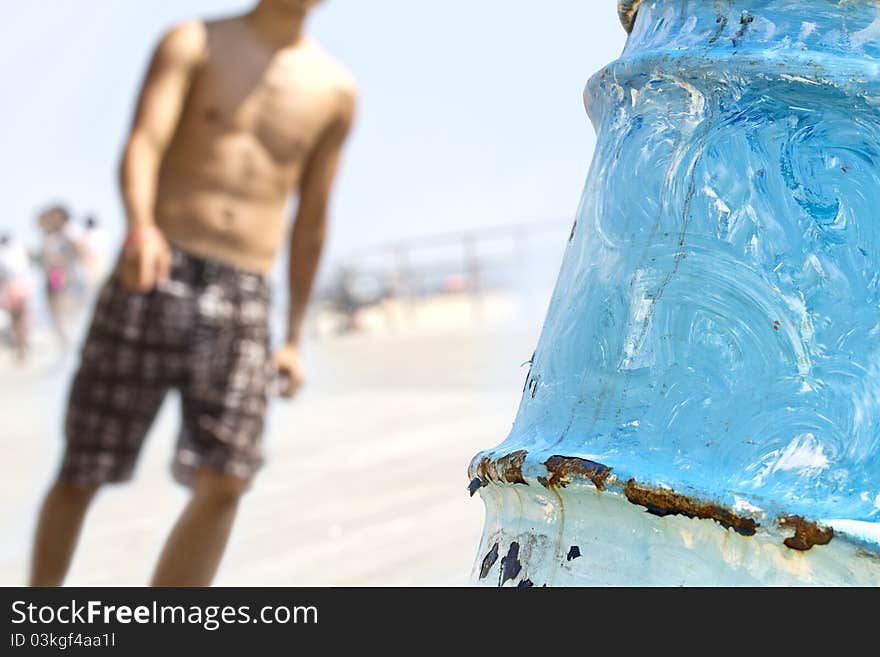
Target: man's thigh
[(131, 356), (224, 400)]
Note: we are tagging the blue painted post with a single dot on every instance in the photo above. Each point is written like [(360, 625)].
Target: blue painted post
[(703, 406)]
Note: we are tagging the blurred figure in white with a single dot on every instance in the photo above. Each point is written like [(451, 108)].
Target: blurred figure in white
[(15, 292), (59, 258)]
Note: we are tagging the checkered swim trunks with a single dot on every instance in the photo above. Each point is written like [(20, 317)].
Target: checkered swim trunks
[(204, 332)]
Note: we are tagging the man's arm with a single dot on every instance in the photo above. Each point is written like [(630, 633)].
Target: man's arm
[(145, 256), (309, 231)]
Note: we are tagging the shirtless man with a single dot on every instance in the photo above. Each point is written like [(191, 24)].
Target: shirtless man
[(233, 117)]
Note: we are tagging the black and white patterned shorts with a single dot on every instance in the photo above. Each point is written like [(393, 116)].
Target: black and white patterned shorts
[(206, 333)]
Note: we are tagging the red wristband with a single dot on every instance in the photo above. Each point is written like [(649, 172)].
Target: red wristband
[(139, 235)]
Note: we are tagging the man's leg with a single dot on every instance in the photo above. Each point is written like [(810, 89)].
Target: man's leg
[(20, 332), (223, 404), (195, 547), (115, 395), (56, 311), (58, 529)]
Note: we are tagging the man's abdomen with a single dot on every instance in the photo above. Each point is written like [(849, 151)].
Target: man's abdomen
[(224, 197), (241, 232)]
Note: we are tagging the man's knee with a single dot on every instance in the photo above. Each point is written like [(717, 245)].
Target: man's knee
[(218, 488)]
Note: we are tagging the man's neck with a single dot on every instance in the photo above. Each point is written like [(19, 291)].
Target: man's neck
[(279, 27)]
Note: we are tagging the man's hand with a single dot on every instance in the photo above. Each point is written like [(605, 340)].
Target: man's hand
[(145, 261), (291, 372)]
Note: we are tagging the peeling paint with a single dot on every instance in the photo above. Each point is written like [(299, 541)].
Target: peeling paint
[(806, 533), (563, 469), (509, 467), (623, 545), (510, 564), (573, 553), (486, 470), (489, 561), (662, 502)]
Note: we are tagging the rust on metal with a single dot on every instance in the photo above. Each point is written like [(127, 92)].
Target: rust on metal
[(509, 468), (664, 502), (489, 561), (486, 470), (563, 469), (806, 533)]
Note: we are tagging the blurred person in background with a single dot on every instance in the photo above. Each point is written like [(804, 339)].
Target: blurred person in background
[(234, 116), (57, 254), (15, 291), (93, 247), (347, 301)]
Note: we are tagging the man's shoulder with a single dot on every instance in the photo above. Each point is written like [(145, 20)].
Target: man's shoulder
[(332, 72), (185, 40)]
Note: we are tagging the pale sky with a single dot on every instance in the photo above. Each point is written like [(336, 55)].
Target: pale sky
[(471, 112)]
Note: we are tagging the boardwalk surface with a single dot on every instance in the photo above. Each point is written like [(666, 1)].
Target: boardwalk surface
[(366, 475)]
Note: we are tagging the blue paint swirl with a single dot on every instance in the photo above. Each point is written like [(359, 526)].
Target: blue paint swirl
[(716, 321)]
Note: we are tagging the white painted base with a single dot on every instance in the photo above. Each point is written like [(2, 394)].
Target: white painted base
[(621, 544)]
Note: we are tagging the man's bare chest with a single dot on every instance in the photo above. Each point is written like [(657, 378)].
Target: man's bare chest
[(281, 108)]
